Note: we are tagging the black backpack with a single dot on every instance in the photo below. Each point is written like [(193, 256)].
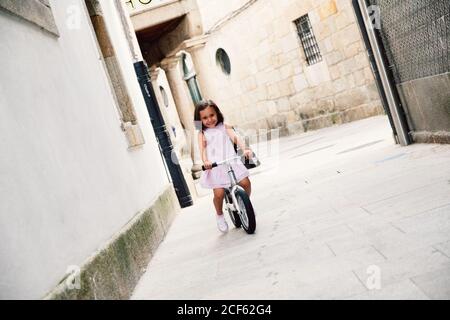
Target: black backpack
[(248, 163)]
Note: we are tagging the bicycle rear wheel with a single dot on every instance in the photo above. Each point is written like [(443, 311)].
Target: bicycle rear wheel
[(247, 214)]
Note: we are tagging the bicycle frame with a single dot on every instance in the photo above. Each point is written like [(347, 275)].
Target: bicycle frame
[(233, 180)]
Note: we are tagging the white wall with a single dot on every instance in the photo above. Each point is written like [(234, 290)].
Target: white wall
[(67, 181), (214, 10)]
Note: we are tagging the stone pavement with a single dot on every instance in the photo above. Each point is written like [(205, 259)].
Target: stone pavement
[(342, 213)]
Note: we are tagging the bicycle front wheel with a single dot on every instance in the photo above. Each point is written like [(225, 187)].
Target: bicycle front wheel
[(247, 214), (234, 216)]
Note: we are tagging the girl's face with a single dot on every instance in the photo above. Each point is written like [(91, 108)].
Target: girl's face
[(208, 117)]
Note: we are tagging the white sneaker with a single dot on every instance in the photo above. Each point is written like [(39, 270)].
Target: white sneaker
[(222, 223)]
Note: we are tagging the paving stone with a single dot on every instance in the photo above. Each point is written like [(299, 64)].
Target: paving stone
[(443, 247), (435, 284), (409, 265), (403, 290)]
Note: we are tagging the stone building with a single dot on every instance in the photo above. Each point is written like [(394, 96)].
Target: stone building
[(269, 64), (272, 84), (85, 196)]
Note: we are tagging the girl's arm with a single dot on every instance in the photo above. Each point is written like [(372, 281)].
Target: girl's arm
[(232, 134), (202, 147)]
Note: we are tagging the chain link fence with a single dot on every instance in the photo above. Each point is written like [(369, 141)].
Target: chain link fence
[(416, 36)]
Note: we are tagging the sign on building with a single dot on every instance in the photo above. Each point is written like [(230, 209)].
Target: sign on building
[(137, 5)]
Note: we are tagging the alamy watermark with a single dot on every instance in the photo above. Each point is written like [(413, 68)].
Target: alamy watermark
[(73, 17), (73, 280), (373, 282), (374, 16), (264, 143)]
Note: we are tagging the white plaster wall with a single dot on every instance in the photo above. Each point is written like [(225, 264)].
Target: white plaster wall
[(214, 10), (68, 182), (245, 53)]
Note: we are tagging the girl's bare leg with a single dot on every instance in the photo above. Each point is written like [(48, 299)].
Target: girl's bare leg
[(247, 185), (219, 194)]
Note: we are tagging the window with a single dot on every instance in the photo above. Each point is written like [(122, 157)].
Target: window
[(309, 43), (37, 12), (223, 61), (191, 78)]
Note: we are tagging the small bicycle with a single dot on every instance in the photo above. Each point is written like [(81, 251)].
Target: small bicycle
[(237, 202)]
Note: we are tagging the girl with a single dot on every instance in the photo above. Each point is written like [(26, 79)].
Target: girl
[(215, 141)]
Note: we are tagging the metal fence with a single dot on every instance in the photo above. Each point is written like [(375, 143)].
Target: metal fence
[(416, 36)]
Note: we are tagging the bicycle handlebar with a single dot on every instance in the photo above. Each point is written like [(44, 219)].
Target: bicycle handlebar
[(216, 164), (213, 166)]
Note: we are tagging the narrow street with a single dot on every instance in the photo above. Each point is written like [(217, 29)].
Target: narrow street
[(342, 213), (101, 159)]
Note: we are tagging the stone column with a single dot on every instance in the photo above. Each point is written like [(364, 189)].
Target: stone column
[(154, 73), (202, 64), (185, 108)]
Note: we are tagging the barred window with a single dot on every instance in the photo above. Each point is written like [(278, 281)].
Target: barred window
[(309, 42)]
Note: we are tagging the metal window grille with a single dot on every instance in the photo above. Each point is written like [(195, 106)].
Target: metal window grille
[(309, 42)]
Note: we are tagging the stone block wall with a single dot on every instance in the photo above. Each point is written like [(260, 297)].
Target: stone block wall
[(271, 85)]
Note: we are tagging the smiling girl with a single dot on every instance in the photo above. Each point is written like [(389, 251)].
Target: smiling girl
[(216, 144)]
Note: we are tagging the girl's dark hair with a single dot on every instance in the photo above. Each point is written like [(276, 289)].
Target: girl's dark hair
[(202, 105)]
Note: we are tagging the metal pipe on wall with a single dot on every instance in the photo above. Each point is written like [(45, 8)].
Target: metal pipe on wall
[(180, 185), (398, 118)]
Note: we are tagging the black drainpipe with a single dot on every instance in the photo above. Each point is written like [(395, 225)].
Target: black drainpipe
[(373, 65), (181, 188)]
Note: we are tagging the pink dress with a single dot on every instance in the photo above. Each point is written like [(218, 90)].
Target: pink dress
[(219, 147)]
